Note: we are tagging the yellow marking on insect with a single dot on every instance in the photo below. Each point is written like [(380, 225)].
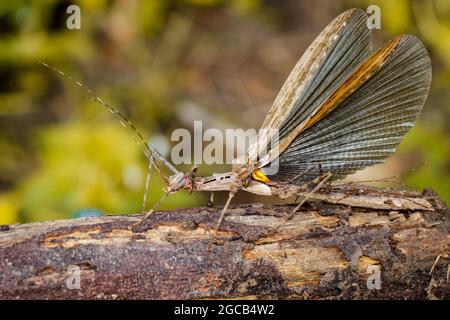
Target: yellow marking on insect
[(259, 176)]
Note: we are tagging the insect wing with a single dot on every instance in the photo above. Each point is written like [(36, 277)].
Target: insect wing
[(343, 45), (366, 126)]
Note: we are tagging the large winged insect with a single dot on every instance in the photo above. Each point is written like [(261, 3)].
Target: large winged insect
[(341, 109)]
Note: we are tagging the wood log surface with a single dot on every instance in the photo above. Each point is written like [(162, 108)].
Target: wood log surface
[(326, 251)]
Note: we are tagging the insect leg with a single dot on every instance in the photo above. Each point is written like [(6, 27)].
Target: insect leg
[(320, 181), (300, 174), (210, 202), (148, 214), (147, 181), (320, 168), (224, 210)]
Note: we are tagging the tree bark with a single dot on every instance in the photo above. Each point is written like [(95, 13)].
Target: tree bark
[(326, 251)]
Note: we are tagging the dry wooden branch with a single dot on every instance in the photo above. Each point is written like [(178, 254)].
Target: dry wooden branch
[(325, 251)]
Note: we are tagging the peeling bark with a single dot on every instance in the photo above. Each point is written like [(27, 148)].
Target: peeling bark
[(327, 251)]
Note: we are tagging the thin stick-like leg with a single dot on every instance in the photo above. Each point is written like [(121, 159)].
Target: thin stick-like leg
[(148, 214), (219, 222), (210, 202), (224, 210), (300, 174), (321, 180), (147, 181)]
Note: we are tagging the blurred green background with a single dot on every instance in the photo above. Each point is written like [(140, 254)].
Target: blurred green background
[(165, 63)]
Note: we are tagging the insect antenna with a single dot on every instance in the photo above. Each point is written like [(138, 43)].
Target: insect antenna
[(150, 153), (147, 182), (389, 179)]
